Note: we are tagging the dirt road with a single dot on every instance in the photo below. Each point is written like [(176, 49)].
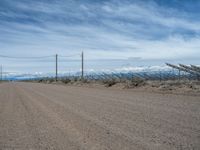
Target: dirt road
[(39, 116)]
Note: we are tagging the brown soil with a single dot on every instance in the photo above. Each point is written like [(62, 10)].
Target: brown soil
[(45, 116)]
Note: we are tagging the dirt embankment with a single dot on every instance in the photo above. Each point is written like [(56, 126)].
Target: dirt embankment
[(182, 86), (185, 87)]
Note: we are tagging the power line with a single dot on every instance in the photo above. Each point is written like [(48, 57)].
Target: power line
[(12, 57), (39, 57), (70, 55), (43, 57)]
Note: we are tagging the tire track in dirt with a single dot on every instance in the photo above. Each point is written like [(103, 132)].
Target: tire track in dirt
[(38, 116), (90, 130), (152, 131)]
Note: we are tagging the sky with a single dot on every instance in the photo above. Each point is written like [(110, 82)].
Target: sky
[(103, 29)]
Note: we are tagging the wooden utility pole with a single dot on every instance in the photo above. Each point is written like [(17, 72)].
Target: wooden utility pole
[(56, 67), (82, 65), (1, 73)]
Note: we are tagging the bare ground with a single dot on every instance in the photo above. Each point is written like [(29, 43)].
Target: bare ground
[(42, 116)]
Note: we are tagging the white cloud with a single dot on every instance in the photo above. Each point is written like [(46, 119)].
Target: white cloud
[(104, 31)]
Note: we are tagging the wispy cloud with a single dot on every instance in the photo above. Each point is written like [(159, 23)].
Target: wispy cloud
[(103, 29)]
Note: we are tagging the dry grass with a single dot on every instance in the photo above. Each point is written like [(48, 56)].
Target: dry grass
[(180, 86)]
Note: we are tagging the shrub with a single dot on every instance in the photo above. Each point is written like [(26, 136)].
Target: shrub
[(135, 82), (110, 82), (85, 80), (66, 81)]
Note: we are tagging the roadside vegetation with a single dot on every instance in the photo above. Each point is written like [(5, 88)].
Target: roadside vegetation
[(182, 85)]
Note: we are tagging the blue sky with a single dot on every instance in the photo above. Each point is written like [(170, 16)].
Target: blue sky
[(104, 29)]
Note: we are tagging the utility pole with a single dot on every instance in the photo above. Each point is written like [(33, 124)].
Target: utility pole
[(1, 73), (82, 65), (56, 67), (160, 75)]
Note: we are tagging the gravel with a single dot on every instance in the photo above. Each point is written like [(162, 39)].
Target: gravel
[(43, 116)]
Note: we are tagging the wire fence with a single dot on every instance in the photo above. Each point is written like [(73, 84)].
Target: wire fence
[(74, 66)]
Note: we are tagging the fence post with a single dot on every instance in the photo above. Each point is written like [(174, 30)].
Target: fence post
[(56, 67), (160, 75), (1, 73), (82, 65)]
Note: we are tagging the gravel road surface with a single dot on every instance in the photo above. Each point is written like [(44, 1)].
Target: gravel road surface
[(41, 116)]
